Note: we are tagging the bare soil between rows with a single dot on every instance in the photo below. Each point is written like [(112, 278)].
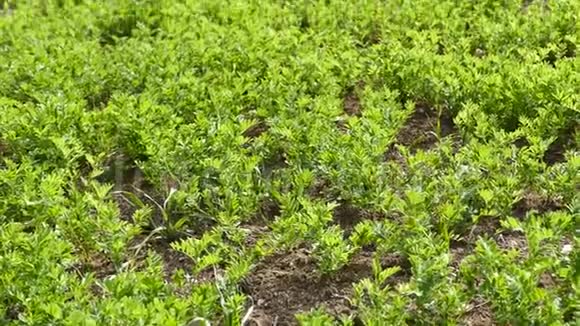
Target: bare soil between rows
[(289, 283)]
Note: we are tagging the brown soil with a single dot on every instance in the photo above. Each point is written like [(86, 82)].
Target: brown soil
[(348, 216), (13, 311), (521, 142), (101, 266), (420, 130), (321, 189), (173, 260), (547, 280), (287, 283), (533, 201), (490, 227), (130, 179), (555, 153), (459, 250), (464, 246), (257, 226), (478, 313), (255, 233), (487, 227), (393, 154), (127, 208), (269, 209), (512, 240), (256, 130), (352, 104), (567, 139), (372, 38)]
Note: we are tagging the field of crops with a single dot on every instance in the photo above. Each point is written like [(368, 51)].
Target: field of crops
[(277, 162)]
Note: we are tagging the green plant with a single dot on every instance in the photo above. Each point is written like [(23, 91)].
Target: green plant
[(160, 219), (173, 162)]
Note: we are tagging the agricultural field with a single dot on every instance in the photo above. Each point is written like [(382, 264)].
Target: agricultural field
[(277, 162)]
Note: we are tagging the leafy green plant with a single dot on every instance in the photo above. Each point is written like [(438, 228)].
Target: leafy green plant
[(315, 318), (439, 138), (331, 250)]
